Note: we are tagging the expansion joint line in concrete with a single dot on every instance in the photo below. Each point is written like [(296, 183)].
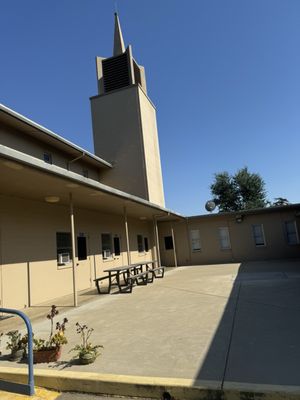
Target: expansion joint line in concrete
[(231, 335)]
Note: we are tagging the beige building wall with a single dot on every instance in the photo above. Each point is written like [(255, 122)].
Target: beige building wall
[(242, 247), (27, 144), (29, 273)]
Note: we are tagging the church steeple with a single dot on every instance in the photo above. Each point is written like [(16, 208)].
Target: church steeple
[(119, 47), (124, 124)]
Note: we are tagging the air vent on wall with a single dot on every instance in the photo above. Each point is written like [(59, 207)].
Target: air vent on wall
[(115, 73)]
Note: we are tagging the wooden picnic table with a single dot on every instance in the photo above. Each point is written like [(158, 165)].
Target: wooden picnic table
[(125, 275)]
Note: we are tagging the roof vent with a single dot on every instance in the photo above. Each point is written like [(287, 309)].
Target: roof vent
[(115, 73)]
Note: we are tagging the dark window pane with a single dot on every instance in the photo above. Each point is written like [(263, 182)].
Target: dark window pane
[(48, 158), (117, 247), (81, 248), (140, 243), (146, 244), (168, 242)]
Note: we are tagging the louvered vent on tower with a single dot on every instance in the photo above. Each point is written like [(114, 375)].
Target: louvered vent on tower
[(115, 72)]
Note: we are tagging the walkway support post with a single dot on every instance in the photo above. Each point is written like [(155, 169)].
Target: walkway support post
[(21, 387), (174, 246), (73, 251), (127, 236), (156, 238)]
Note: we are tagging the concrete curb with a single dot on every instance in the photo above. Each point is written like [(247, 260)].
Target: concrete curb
[(149, 387)]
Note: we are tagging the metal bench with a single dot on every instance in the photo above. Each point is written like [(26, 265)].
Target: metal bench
[(140, 279), (110, 283), (155, 273)]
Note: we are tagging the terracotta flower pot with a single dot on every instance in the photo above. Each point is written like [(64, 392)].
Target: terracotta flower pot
[(87, 358), (46, 356)]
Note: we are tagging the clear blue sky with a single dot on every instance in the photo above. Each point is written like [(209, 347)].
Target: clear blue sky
[(224, 76)]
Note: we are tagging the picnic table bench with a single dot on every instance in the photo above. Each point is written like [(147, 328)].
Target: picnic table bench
[(127, 275)]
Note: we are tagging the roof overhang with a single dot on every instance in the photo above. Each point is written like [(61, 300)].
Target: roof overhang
[(27, 177), (31, 128)]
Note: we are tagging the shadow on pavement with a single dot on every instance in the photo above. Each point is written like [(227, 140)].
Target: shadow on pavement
[(257, 339)]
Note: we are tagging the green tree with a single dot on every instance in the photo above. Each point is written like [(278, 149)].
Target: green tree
[(280, 201), (242, 191)]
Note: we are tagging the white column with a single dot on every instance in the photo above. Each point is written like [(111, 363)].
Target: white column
[(174, 246), (127, 237), (73, 250)]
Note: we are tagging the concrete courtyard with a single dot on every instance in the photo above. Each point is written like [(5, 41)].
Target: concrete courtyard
[(220, 324)]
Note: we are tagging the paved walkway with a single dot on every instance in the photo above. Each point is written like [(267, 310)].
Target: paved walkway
[(222, 324)]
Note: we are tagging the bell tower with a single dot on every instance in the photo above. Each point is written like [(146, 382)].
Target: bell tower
[(124, 124)]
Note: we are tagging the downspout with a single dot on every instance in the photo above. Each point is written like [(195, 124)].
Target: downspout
[(174, 246), (156, 240), (127, 236)]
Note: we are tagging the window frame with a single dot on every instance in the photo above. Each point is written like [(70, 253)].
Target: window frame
[(146, 244), (140, 244), (69, 248), (263, 235), (193, 240), (49, 155), (220, 228), (165, 243), (296, 232), (110, 249), (79, 237), (117, 237)]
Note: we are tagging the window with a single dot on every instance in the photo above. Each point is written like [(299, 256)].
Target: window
[(140, 243), (81, 248), (224, 238), (85, 173), (117, 246), (106, 243), (63, 247), (48, 158), (195, 240), (168, 242), (258, 235), (146, 244), (291, 232)]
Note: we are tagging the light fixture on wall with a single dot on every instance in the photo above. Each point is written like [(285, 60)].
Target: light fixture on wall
[(52, 199), (239, 218), (143, 218)]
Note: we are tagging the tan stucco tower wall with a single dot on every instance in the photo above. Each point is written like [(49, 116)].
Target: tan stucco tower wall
[(125, 132)]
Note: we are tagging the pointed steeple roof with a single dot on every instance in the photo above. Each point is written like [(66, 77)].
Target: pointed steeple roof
[(119, 47)]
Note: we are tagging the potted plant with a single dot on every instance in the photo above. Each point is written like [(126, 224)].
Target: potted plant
[(45, 351), (16, 344), (86, 352)]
